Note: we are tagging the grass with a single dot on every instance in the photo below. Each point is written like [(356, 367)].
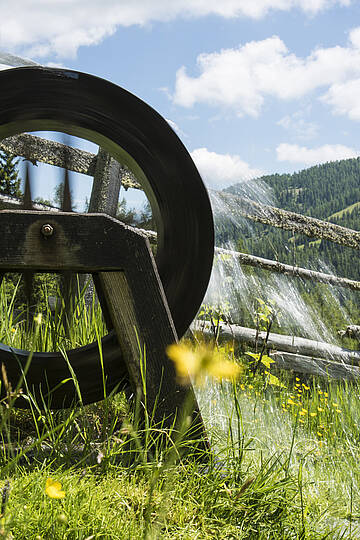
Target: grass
[(284, 461)]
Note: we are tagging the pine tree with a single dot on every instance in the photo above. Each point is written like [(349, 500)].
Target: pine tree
[(9, 175)]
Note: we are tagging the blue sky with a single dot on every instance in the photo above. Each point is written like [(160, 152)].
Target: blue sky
[(250, 86)]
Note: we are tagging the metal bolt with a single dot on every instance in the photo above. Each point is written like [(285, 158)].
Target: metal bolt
[(47, 229)]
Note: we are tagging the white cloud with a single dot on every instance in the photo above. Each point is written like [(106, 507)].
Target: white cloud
[(222, 170), (60, 27), (298, 126), (312, 156), (345, 98), (242, 78)]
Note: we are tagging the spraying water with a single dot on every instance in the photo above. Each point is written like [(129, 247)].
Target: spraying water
[(233, 288)]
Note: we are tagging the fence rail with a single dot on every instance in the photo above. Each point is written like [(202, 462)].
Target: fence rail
[(36, 149), (291, 352)]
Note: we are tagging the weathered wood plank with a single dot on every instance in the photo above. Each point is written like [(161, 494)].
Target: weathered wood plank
[(106, 185), (315, 366), (143, 324), (276, 217), (36, 148), (287, 269), (292, 344), (278, 267)]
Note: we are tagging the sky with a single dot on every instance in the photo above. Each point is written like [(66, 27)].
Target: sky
[(251, 87)]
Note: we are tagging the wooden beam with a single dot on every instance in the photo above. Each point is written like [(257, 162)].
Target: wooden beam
[(35, 149), (287, 269), (78, 242), (276, 266), (132, 289), (315, 366), (290, 221), (291, 344), (106, 185)]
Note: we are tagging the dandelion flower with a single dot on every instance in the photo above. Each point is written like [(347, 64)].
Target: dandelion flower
[(53, 489), (200, 362)]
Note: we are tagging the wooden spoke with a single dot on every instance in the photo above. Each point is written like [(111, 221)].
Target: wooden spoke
[(66, 205), (27, 199), (28, 205)]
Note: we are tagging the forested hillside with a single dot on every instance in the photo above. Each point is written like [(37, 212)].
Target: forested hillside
[(329, 192)]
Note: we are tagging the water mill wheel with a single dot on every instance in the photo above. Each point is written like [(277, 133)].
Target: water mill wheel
[(44, 99)]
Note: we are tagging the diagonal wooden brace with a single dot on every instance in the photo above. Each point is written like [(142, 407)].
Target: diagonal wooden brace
[(122, 258)]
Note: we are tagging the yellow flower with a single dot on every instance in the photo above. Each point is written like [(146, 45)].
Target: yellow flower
[(326, 394), (297, 379), (306, 387), (319, 434), (53, 489), (302, 413), (291, 402), (320, 409), (335, 404), (203, 360), (313, 414)]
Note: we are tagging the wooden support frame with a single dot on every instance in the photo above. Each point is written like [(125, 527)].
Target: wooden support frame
[(122, 258)]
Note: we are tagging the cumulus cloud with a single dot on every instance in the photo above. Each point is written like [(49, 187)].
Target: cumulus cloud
[(298, 126), (61, 26), (222, 170), (312, 156), (242, 78), (345, 98)]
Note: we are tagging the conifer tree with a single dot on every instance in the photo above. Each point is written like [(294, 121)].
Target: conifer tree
[(9, 175)]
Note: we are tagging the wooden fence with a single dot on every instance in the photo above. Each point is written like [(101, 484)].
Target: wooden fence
[(288, 351)]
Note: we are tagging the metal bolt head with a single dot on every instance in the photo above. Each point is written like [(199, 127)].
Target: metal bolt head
[(47, 229)]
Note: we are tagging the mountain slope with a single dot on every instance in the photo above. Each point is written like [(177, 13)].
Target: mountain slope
[(332, 189)]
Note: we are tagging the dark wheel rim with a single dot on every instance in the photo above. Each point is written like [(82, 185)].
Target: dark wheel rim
[(35, 99)]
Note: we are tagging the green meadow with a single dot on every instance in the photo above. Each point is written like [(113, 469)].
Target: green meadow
[(284, 459)]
